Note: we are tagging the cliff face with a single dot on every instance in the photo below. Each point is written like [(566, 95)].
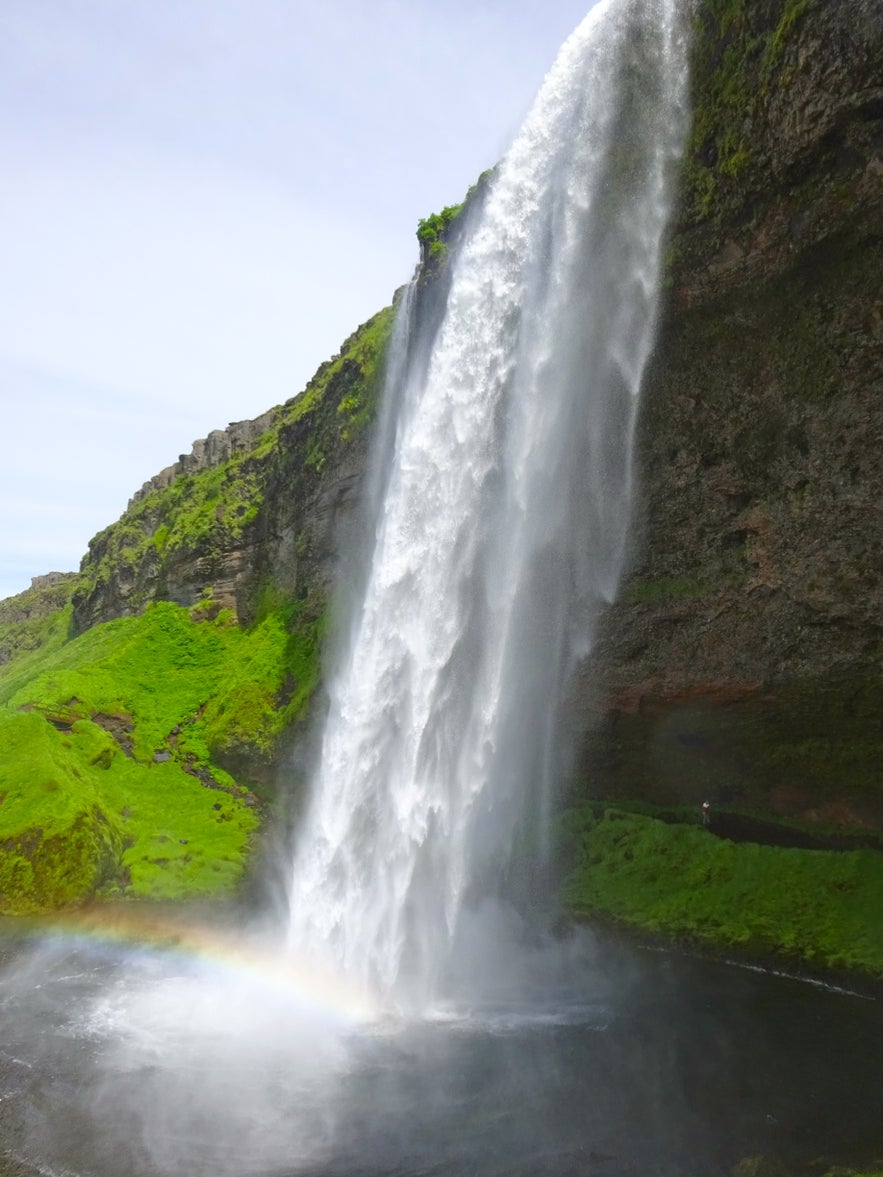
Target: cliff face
[(743, 660), (251, 510), (218, 447)]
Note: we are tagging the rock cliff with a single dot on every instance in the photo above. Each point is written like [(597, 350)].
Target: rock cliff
[(742, 662), (218, 447), (251, 509)]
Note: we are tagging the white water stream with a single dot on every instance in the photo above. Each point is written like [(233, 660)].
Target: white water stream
[(503, 523)]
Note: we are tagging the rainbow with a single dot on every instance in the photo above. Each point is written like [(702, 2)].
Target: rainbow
[(315, 990)]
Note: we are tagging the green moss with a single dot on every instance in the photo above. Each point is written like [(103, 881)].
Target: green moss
[(114, 765), (822, 907), (57, 842), (736, 55), (792, 12)]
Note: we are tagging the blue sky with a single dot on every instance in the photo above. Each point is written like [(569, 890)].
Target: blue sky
[(201, 201)]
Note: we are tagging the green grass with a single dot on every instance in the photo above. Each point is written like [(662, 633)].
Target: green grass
[(79, 816), (55, 841), (110, 752), (34, 621), (161, 668), (822, 907)]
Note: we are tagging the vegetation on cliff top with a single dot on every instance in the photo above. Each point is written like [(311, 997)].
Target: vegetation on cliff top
[(737, 47), (432, 230)]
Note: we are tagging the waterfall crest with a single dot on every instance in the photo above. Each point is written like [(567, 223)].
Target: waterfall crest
[(501, 514)]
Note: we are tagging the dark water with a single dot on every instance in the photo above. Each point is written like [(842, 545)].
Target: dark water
[(137, 1064)]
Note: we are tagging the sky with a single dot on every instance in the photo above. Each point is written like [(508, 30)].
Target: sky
[(201, 201)]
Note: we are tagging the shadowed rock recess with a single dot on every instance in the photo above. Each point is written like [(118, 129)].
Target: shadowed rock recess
[(741, 662)]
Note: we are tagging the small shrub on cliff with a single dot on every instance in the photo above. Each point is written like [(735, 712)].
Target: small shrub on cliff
[(432, 230)]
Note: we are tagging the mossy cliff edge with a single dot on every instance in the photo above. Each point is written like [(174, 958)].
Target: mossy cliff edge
[(742, 661)]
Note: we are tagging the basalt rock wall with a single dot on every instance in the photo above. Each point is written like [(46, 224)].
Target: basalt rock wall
[(742, 662)]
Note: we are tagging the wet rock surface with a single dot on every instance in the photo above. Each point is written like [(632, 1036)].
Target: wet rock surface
[(743, 657)]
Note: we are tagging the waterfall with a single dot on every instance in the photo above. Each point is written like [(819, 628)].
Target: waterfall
[(501, 511)]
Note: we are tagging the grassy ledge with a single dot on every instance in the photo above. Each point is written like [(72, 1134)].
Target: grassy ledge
[(821, 907)]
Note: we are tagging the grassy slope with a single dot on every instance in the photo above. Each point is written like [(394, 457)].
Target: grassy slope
[(821, 906), (84, 804)]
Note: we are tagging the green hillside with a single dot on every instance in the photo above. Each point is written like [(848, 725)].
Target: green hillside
[(111, 748)]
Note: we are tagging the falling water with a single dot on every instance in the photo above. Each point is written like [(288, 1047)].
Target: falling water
[(501, 529)]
